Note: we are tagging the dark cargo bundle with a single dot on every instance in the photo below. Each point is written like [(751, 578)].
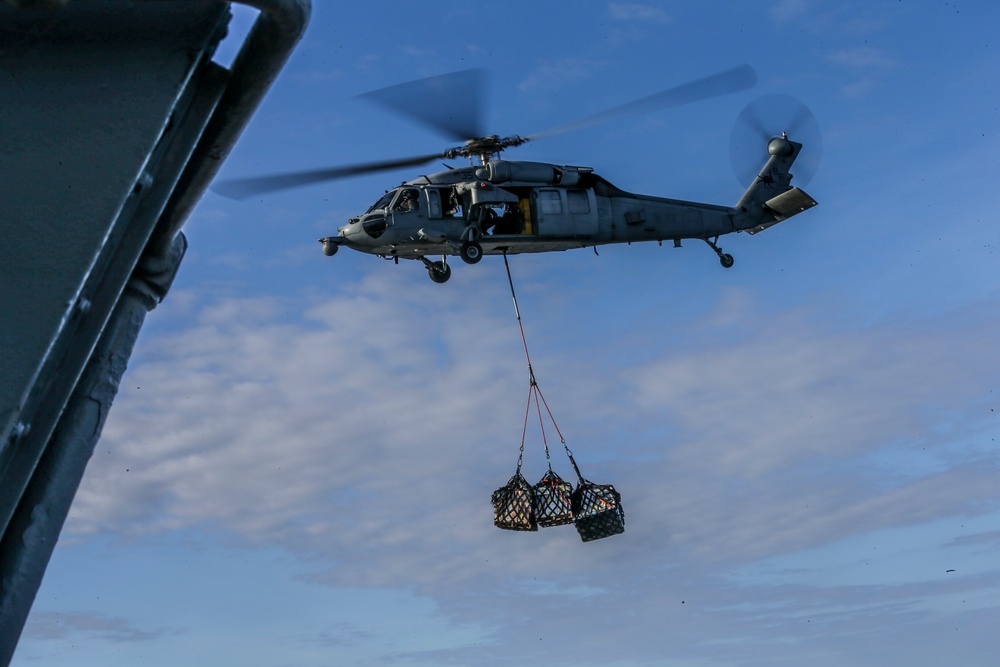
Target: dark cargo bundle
[(553, 501), (597, 511), (514, 505)]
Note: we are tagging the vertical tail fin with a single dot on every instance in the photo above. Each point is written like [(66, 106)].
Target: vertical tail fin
[(771, 197)]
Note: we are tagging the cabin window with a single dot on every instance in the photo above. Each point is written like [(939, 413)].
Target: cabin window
[(549, 202), (433, 203), (578, 201)]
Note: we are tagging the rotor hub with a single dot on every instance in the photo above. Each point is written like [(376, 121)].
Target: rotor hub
[(484, 147), (780, 146)]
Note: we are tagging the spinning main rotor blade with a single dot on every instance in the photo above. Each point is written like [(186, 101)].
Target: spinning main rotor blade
[(448, 103), (730, 81), (451, 102), (247, 187)]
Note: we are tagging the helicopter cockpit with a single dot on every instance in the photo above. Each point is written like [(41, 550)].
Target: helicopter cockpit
[(375, 220), (383, 202), (398, 200), (407, 201)]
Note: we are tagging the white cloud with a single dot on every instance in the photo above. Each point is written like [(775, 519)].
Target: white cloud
[(859, 89), (365, 432), (86, 626), (789, 10), (556, 75), (864, 57), (638, 13)]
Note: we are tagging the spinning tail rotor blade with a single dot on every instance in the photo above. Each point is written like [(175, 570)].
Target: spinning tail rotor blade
[(248, 187), (730, 81), (802, 121), (449, 103), (765, 118), (754, 123)]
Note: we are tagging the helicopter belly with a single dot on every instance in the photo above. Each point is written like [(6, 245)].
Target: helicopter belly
[(417, 250), (516, 245)]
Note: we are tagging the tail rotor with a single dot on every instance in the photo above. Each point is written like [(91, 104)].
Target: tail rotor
[(774, 117)]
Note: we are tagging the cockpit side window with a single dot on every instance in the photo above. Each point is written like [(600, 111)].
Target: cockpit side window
[(407, 201), (383, 202)]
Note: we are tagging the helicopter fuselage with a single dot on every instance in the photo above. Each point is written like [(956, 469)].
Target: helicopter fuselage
[(522, 207), (497, 206)]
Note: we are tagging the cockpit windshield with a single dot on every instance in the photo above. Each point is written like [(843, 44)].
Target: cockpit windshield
[(383, 202)]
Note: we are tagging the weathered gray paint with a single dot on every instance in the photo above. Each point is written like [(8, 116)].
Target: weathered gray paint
[(614, 215), (84, 105), (114, 120)]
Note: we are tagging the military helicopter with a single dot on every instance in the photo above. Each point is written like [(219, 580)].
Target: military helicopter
[(496, 206)]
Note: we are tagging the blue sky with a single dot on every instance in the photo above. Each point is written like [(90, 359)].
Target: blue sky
[(297, 470)]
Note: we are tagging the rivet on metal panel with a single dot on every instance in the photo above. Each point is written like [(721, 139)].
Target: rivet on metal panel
[(144, 181), (82, 305)]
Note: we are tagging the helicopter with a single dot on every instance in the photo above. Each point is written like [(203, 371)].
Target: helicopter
[(496, 206)]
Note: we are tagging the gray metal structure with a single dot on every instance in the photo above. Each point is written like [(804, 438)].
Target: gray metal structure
[(114, 120)]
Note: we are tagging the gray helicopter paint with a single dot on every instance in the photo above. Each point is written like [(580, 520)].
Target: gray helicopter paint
[(520, 206), (614, 216)]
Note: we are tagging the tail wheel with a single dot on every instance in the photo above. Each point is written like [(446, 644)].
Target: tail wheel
[(725, 258), (439, 272), (471, 253)]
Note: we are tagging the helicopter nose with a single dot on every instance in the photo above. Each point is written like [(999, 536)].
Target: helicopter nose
[(352, 228)]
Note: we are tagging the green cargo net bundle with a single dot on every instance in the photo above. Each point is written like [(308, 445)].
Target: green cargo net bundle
[(595, 509)]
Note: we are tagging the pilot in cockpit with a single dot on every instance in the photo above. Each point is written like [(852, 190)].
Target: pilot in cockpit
[(407, 201)]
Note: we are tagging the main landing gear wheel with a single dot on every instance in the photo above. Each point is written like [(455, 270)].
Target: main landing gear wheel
[(471, 252), (439, 272)]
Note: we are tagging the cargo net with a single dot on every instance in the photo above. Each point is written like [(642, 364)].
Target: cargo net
[(514, 505), (553, 501), (596, 509)]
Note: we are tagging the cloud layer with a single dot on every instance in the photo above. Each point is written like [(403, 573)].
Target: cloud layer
[(363, 433)]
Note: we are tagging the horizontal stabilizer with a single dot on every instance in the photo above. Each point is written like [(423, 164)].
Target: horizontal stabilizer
[(790, 202)]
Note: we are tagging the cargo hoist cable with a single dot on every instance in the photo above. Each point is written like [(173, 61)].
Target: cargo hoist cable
[(535, 393)]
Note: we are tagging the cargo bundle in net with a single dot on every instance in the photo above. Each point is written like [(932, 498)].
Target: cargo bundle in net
[(514, 505), (595, 509)]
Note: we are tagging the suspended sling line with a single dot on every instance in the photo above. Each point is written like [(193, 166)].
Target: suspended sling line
[(595, 508), (534, 391)]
